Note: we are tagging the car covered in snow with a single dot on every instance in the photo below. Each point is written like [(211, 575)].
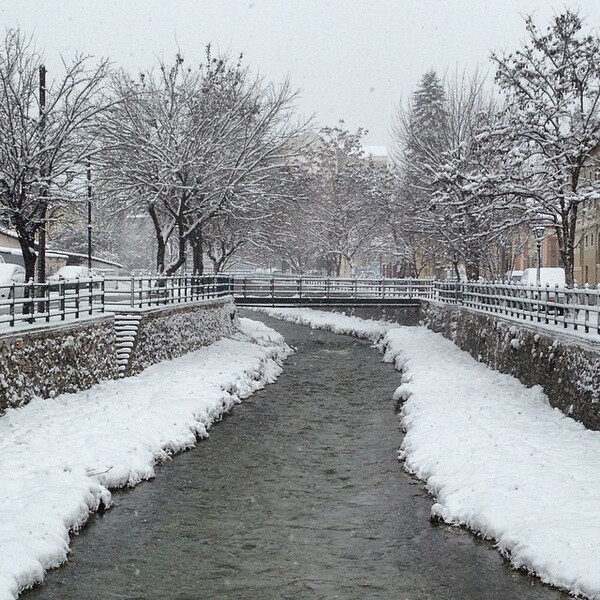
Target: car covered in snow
[(71, 275), (10, 276), (549, 296), (549, 277)]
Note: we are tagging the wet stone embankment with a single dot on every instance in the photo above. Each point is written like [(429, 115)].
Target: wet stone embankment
[(296, 495)]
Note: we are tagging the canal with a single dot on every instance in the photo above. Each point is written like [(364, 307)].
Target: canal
[(297, 494)]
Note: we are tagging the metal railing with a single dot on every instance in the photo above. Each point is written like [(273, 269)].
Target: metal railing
[(30, 303), (282, 287), (573, 308), (146, 292), (56, 301), (570, 308)]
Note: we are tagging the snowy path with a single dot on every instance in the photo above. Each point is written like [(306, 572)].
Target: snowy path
[(59, 457), (496, 456)]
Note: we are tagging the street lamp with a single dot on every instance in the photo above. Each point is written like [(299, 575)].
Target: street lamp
[(89, 212), (538, 233)]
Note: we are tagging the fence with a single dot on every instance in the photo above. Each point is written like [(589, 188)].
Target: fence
[(42, 302), (577, 308), (144, 292), (571, 308), (72, 299), (279, 288)]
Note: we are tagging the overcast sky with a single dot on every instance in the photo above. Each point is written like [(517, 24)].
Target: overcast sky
[(352, 59)]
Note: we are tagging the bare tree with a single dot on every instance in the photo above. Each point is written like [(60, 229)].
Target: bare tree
[(194, 145), (45, 135), (551, 125)]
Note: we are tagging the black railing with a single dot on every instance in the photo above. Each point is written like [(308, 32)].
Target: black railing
[(572, 308), (44, 302), (28, 303), (328, 288)]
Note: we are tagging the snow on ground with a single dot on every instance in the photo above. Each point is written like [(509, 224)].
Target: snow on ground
[(495, 455), (59, 457)]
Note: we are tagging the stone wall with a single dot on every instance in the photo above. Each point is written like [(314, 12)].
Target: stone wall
[(171, 331), (404, 314), (566, 366), (48, 360)]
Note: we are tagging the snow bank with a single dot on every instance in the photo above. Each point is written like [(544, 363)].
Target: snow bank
[(58, 457), (495, 455), (336, 322)]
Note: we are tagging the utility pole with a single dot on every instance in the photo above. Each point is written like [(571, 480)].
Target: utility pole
[(43, 191), (89, 213)]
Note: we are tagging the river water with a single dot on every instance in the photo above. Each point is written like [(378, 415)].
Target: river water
[(296, 495)]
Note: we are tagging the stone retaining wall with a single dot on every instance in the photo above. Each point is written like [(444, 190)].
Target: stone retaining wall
[(48, 360), (567, 367), (403, 314), (171, 331)]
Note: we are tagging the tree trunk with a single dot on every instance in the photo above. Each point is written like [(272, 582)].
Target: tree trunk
[(161, 243)]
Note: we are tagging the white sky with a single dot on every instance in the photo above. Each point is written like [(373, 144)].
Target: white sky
[(352, 59)]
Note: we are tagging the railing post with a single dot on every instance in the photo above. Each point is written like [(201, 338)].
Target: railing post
[(77, 287), (11, 307), (90, 295), (62, 301), (299, 286), (31, 301), (272, 288), (102, 295), (598, 309), (132, 292), (586, 310)]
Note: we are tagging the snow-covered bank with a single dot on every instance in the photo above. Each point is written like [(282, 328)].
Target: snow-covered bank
[(58, 457), (338, 323), (495, 455)]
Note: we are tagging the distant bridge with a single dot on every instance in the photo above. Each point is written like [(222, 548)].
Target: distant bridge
[(312, 291)]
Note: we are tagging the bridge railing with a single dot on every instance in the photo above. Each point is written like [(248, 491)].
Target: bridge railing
[(281, 287), (572, 308)]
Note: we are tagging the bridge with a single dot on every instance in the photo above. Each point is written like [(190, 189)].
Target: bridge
[(315, 291)]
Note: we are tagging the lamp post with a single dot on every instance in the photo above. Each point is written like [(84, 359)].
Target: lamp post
[(538, 232), (89, 213)]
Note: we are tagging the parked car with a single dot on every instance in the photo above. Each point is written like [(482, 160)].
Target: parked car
[(549, 276), (9, 275), (70, 275)]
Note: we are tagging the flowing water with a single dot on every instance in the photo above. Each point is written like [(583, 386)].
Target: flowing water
[(297, 494)]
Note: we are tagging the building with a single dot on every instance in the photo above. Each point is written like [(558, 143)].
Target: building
[(587, 231)]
